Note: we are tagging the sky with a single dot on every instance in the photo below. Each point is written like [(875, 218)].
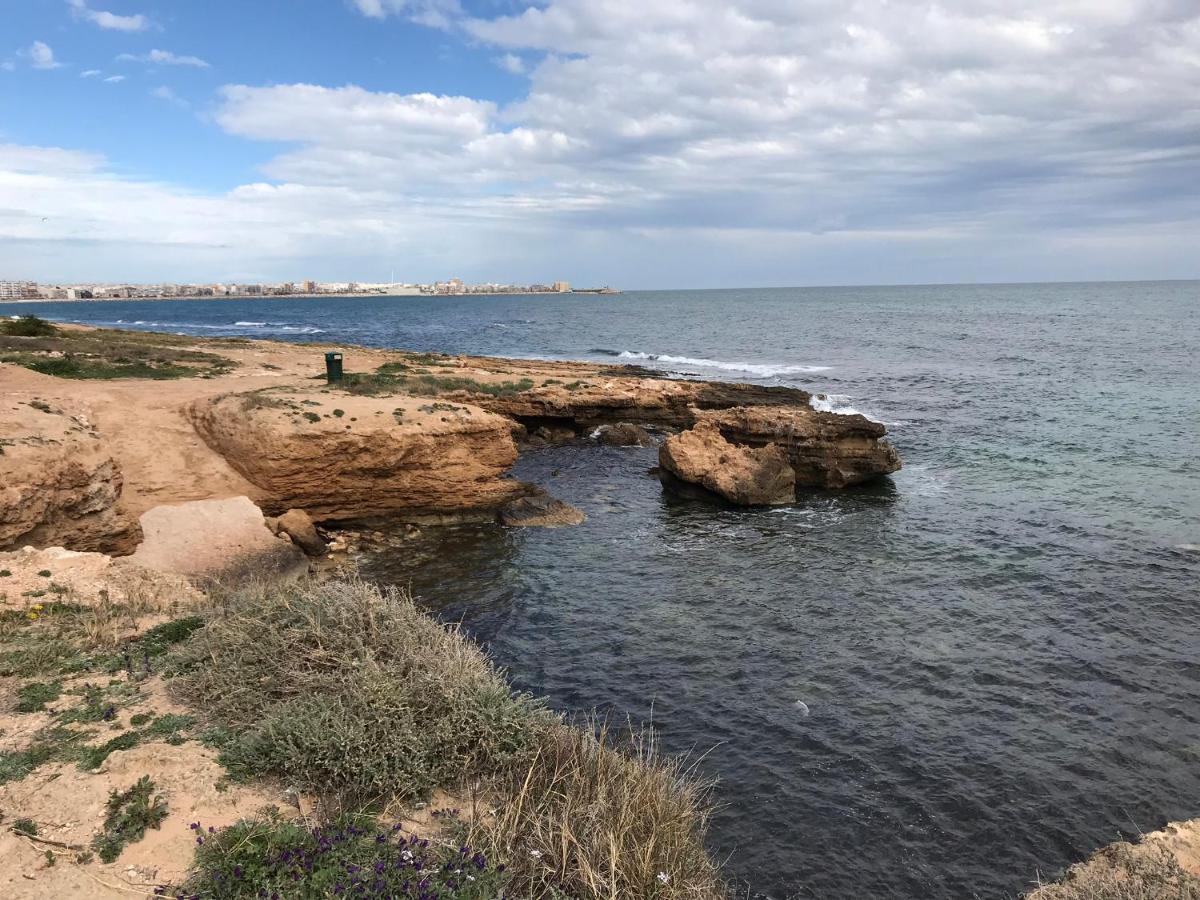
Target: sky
[(634, 143)]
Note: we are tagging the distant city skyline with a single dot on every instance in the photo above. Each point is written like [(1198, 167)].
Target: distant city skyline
[(684, 143)]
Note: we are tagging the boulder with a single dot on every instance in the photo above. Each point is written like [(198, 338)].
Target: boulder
[(747, 476), (623, 434), (297, 525), (538, 508), (59, 484)]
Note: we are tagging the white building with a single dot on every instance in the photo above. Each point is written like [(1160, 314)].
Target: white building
[(18, 290)]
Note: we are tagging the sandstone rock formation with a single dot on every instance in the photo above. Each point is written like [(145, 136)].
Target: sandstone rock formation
[(58, 483), (747, 476), (538, 508), (343, 458), (215, 539), (298, 525), (589, 403), (827, 450)]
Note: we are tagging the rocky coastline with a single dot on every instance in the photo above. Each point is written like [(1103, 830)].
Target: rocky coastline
[(404, 437), (162, 469)]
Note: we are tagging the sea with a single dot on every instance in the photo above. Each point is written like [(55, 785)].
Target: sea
[(947, 684)]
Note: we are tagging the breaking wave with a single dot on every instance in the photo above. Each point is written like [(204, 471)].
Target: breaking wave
[(760, 370)]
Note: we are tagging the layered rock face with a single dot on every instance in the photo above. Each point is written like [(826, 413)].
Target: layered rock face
[(58, 483), (756, 456), (342, 457), (747, 476), (655, 401)]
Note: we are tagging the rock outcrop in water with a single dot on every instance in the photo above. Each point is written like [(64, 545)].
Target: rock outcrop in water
[(826, 450), (747, 476), (756, 456), (59, 484)]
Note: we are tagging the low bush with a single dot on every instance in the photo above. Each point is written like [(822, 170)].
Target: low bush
[(601, 818), (353, 694), (268, 857), (27, 326)]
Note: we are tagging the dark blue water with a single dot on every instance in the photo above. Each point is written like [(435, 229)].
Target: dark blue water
[(999, 647)]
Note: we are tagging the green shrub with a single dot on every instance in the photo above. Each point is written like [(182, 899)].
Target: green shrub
[(34, 696), (27, 326), (353, 694), (27, 827), (129, 814), (269, 857)]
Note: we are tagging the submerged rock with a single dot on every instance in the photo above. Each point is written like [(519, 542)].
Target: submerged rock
[(540, 509), (747, 476), (623, 434), (59, 484)]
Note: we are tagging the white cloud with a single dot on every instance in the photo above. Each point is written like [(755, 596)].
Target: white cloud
[(41, 56), (734, 141), (512, 63), (89, 73), (164, 57), (108, 20), (114, 79), (433, 13), (165, 93)]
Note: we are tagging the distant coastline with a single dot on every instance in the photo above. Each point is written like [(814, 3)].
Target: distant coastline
[(604, 292)]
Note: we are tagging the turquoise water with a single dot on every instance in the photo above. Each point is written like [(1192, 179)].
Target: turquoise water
[(998, 648)]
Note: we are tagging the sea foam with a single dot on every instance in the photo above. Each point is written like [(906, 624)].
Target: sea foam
[(760, 370)]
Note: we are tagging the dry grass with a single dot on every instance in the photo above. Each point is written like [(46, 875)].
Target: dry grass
[(603, 821), (1124, 872)]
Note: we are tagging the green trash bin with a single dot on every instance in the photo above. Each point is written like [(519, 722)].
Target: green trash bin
[(333, 367)]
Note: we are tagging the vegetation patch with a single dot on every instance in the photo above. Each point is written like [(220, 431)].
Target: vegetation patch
[(269, 857), (428, 385), (353, 694), (129, 814), (27, 827), (27, 326), (105, 354), (1124, 872), (601, 815), (34, 696)]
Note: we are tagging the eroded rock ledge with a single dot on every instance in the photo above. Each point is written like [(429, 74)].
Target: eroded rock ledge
[(342, 457), (59, 484)]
